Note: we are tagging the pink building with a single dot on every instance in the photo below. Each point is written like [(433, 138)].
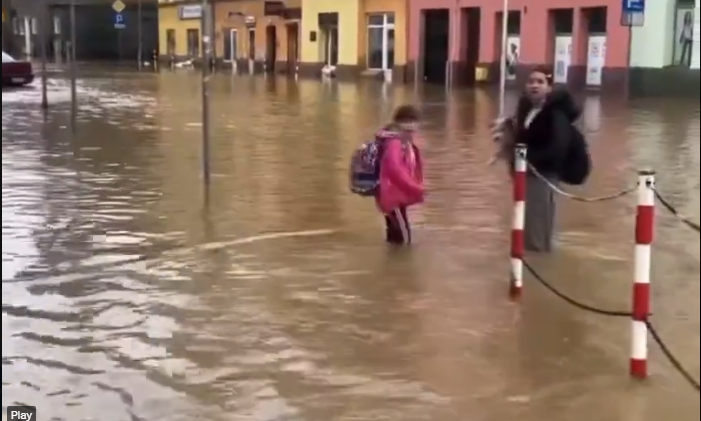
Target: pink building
[(455, 41)]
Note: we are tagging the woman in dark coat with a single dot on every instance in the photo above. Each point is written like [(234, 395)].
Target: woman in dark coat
[(543, 122)]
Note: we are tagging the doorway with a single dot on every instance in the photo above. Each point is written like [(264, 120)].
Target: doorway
[(292, 45), (380, 27), (473, 19), (270, 48), (436, 40), (231, 37)]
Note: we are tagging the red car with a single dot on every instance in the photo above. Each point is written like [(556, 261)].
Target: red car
[(15, 72)]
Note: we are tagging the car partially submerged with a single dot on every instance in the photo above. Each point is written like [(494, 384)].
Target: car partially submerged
[(16, 72)]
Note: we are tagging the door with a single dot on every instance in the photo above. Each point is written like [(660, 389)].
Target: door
[(252, 44), (230, 44), (271, 47), (292, 44)]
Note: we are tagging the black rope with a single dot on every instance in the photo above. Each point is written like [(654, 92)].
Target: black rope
[(693, 225), (672, 359), (653, 332), (572, 300)]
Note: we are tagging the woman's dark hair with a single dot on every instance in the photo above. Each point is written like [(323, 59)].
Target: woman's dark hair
[(687, 18), (547, 71), (406, 114)]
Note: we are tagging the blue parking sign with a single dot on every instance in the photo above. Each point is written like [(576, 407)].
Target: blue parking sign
[(119, 21), (632, 12)]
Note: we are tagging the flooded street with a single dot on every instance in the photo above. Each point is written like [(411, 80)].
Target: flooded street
[(125, 299)]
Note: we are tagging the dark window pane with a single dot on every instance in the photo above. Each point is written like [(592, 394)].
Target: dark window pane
[(376, 19)]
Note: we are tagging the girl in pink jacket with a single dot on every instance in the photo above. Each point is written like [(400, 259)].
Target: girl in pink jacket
[(401, 173)]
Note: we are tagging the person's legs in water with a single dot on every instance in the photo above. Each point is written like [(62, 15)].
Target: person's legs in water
[(398, 229), (540, 215)]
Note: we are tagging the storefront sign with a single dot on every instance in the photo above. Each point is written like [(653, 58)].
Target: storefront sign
[(563, 58), (190, 11), (596, 58), (273, 8)]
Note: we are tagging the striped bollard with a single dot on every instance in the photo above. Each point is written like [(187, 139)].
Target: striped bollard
[(518, 223), (644, 233)]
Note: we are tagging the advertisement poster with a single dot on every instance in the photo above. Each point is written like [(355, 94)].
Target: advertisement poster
[(684, 36), (596, 58), (563, 56), (513, 52)]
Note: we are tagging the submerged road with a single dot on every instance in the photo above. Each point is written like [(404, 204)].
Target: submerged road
[(124, 300)]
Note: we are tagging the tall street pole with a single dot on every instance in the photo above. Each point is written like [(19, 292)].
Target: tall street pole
[(74, 95), (43, 25), (139, 55), (206, 58)]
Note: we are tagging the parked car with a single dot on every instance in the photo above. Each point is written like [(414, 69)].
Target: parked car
[(16, 72)]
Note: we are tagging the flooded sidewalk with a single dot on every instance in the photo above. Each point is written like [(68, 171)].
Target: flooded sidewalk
[(125, 299)]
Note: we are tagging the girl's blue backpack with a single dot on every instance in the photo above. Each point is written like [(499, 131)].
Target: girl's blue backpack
[(364, 179)]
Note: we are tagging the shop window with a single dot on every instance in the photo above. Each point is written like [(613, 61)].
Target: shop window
[(380, 53)]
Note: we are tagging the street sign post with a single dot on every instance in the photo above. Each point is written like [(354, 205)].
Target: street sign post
[(632, 13), (119, 21)]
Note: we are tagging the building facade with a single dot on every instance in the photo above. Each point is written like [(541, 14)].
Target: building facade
[(664, 51), (355, 37), (258, 36), (459, 42), (179, 30)]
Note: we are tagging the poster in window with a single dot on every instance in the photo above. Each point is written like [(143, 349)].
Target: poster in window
[(596, 57), (684, 36), (563, 55), (513, 51)]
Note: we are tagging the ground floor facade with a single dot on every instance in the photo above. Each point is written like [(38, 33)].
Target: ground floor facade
[(664, 56), (354, 37), (258, 36), (459, 42)]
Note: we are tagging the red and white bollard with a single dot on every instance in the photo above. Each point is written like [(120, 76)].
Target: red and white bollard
[(519, 222), (644, 233)]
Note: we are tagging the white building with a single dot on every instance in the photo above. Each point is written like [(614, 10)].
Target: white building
[(665, 48)]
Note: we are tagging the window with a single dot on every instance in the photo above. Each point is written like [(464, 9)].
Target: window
[(380, 53), (193, 42), (6, 58), (57, 25), (34, 25), (170, 42)]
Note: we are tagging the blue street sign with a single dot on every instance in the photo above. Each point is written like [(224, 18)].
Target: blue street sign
[(119, 21), (633, 12)]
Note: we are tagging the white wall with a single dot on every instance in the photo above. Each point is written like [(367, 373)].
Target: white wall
[(697, 32), (651, 44)]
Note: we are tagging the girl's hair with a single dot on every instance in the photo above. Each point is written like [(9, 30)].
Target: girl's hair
[(406, 114), (687, 17), (547, 71)]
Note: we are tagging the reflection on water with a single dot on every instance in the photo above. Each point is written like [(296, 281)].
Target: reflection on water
[(124, 299)]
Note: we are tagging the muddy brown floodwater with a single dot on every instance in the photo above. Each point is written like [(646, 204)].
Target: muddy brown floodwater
[(124, 300)]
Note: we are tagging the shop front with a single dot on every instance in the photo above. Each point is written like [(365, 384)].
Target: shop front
[(179, 32), (254, 36), (354, 38)]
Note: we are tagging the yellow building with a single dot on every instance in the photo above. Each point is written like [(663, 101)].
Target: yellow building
[(179, 24), (355, 36)]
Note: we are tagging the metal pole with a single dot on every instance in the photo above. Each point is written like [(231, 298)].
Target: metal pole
[(140, 35), (502, 64), (43, 24), (74, 96), (206, 55)]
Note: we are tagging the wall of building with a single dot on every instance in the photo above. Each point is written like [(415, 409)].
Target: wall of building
[(169, 18), (249, 14), (349, 12), (400, 10), (696, 59), (537, 36), (651, 44)]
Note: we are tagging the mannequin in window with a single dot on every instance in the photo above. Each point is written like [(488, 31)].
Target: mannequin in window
[(511, 61), (686, 39)]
